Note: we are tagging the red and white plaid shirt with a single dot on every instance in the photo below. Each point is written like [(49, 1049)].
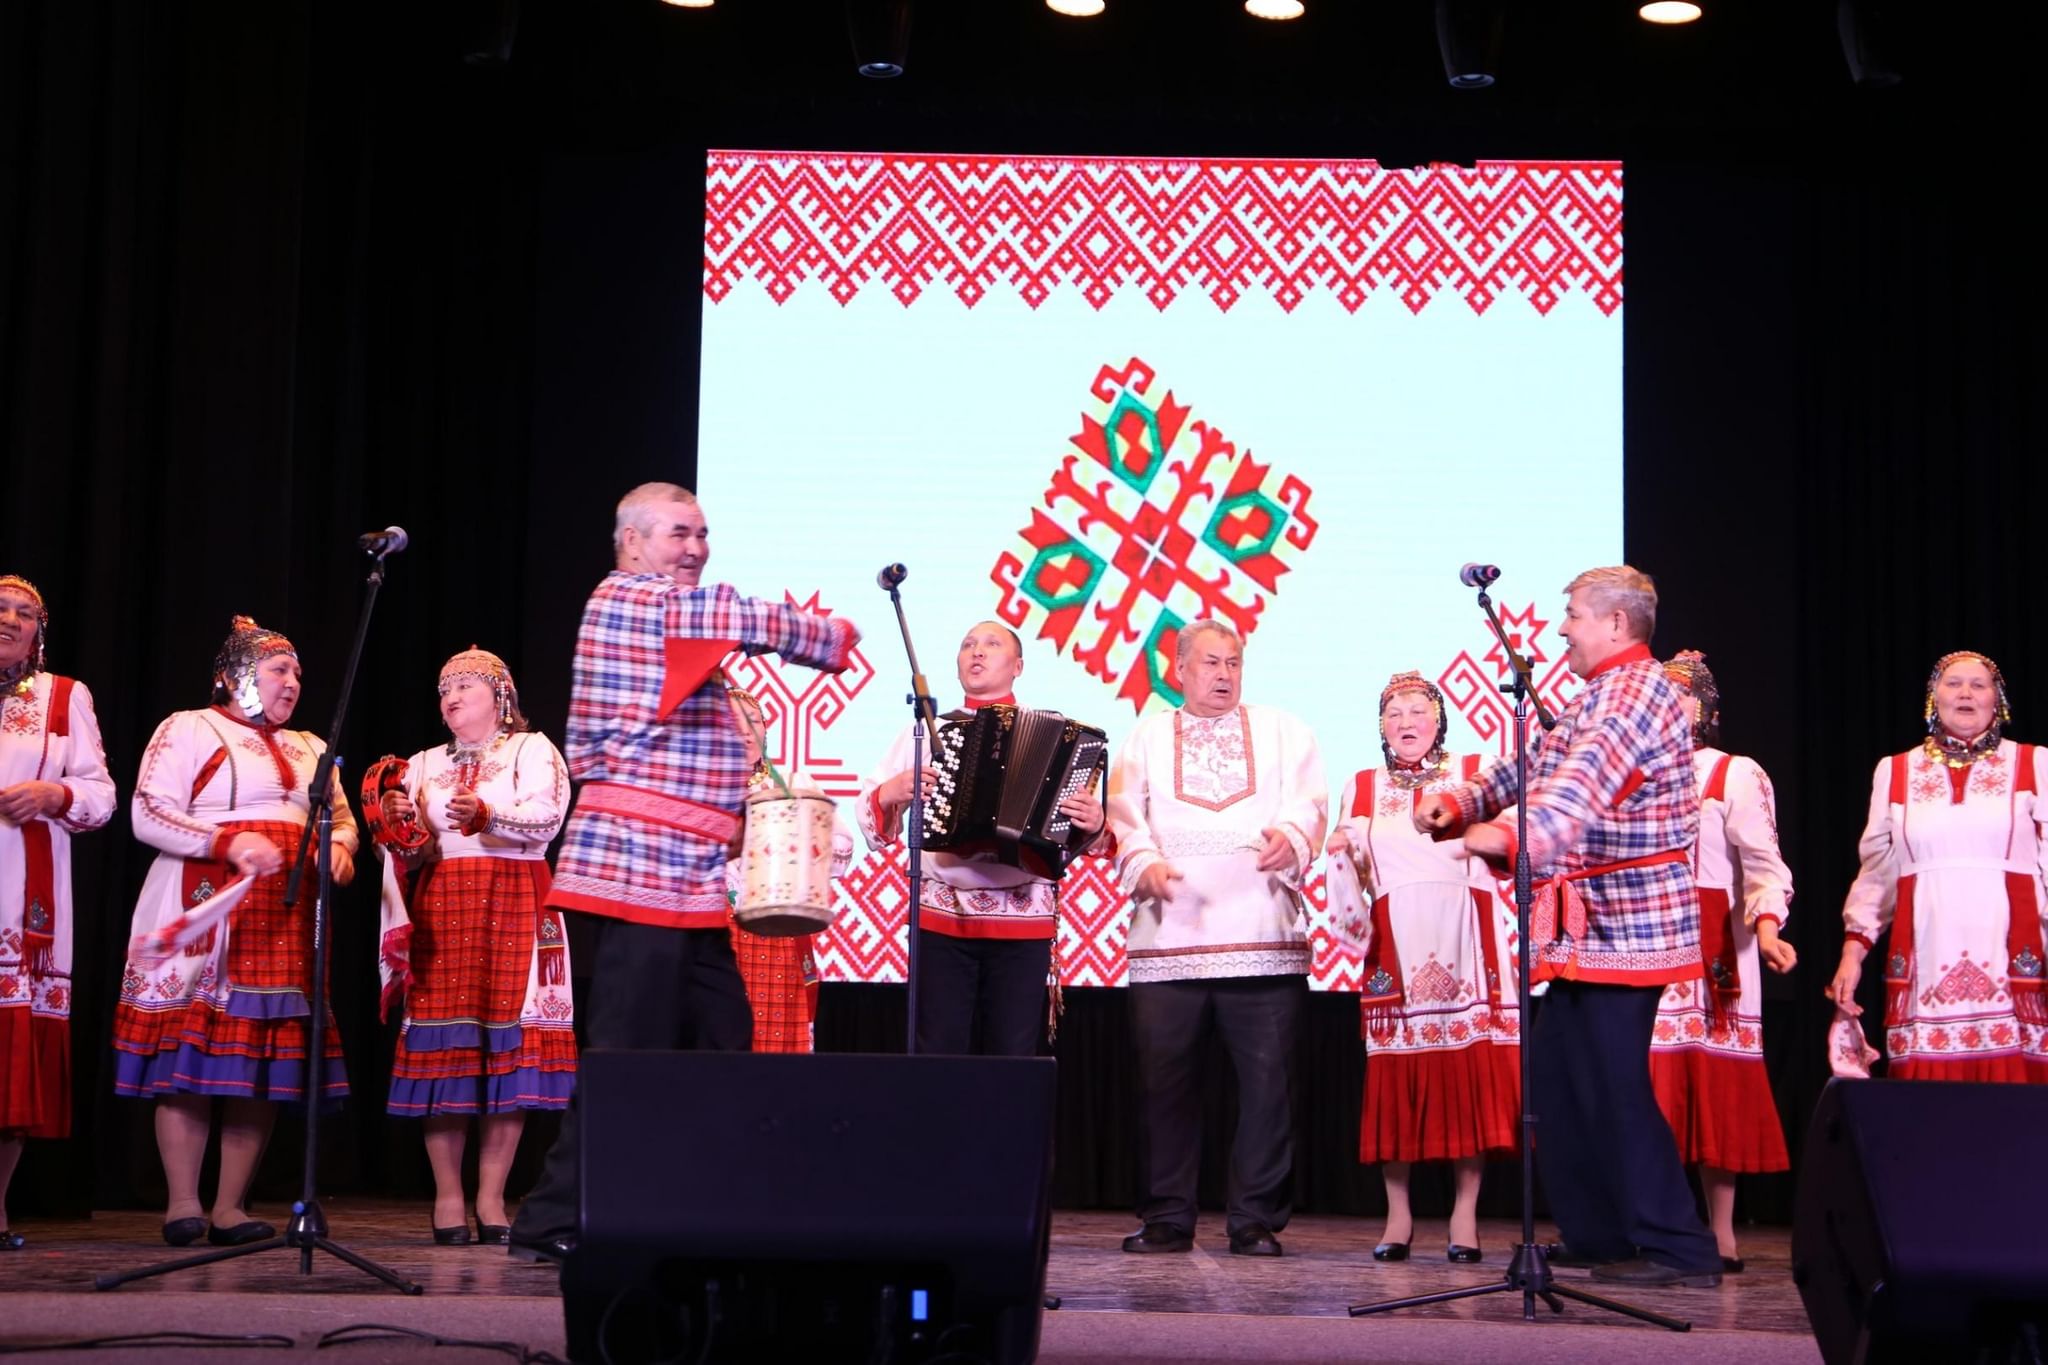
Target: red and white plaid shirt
[(1610, 788), (665, 775)]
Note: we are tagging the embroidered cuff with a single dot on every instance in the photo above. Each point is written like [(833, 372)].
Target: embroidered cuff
[(1464, 810), (217, 847), (844, 638), (1850, 935), (1772, 916), (64, 806), (1135, 869), (479, 822), (1303, 856)]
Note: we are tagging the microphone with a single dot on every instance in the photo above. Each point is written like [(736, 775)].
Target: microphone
[(1478, 575), (388, 541), (890, 576)]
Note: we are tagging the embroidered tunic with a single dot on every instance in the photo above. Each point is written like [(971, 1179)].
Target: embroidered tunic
[(226, 1015), (51, 735), (1952, 862), (1706, 1053), (1441, 1075), (1612, 818), (1196, 792), (654, 743), (489, 1025)]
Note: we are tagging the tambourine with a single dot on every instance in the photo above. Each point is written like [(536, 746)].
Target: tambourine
[(387, 774)]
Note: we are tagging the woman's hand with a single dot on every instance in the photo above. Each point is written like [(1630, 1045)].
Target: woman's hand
[(1842, 990), (398, 808), (1777, 954), (341, 863), (252, 855), (26, 800)]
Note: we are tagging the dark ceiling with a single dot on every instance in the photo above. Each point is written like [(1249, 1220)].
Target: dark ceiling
[(1361, 77)]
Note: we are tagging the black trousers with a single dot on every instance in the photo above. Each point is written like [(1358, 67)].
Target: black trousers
[(1257, 1018), (1610, 1166), (650, 987), (980, 996)]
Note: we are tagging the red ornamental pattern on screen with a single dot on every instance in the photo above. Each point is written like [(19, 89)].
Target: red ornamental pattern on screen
[(1472, 684), (796, 711), (1152, 519), (1539, 231)]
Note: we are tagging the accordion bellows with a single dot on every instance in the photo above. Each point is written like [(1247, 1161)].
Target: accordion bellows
[(1003, 772)]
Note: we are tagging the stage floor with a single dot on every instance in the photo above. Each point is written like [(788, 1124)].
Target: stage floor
[(1207, 1305)]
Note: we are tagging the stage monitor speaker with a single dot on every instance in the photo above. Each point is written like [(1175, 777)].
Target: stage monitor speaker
[(1921, 1229), (761, 1207)]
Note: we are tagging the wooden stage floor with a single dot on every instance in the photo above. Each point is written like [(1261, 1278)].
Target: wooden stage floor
[(1204, 1305)]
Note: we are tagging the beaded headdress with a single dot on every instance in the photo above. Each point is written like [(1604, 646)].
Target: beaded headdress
[(1687, 669), (1412, 681), (23, 682), (1946, 747), (234, 668), (489, 669)]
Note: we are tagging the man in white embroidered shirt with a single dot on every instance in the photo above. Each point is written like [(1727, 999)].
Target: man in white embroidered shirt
[(1217, 809)]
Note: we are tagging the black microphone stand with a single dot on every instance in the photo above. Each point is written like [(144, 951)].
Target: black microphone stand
[(307, 1229), (1528, 1271), (923, 713)]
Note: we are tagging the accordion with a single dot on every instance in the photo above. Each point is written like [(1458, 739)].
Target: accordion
[(1003, 772)]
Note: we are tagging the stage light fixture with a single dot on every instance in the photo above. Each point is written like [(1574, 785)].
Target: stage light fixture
[(1468, 35), (1869, 30), (880, 30), (1274, 9), (689, 4), (1076, 9), (1669, 12)]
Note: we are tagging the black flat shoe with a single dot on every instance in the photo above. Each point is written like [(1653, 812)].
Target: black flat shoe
[(1159, 1237), (1390, 1251), (183, 1232), (241, 1234), (12, 1241), (1731, 1264), (493, 1234), (1560, 1255), (457, 1236), (1458, 1255)]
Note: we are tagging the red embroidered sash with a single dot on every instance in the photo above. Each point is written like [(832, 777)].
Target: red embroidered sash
[(39, 891)]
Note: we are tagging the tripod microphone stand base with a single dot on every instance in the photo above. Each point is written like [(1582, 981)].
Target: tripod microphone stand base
[(307, 1232), (1528, 1275)]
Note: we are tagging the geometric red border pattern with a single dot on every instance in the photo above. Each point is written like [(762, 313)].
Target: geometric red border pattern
[(1536, 231)]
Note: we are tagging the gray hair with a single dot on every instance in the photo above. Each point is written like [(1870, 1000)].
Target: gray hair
[(1621, 588), (1185, 645), (636, 509)]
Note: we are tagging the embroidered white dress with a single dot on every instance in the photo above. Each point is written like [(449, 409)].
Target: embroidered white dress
[(35, 898), (1441, 1070), (1707, 1048), (1198, 792), (1953, 863)]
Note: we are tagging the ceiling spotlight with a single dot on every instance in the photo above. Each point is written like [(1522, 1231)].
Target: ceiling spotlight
[(1669, 12), (1274, 9), (689, 4), (1468, 35), (1079, 9), (880, 30)]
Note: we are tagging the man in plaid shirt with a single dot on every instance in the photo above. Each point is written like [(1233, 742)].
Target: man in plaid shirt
[(663, 769), (1612, 815)]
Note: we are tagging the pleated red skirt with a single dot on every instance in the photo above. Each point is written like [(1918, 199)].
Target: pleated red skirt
[(35, 1074), (1720, 1109), (1438, 1104), (2006, 1069)]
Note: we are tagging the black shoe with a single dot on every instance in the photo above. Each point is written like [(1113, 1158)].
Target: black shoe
[(241, 1234), (457, 1236), (1458, 1255), (1638, 1271), (557, 1248), (1390, 1251), (12, 1241), (1256, 1239), (1159, 1237), (183, 1232), (1563, 1257), (1731, 1265), (493, 1234)]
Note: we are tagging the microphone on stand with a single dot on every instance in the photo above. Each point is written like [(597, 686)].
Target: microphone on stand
[(1479, 575), (890, 576), (388, 541)]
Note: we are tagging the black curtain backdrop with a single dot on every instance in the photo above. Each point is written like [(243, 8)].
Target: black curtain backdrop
[(273, 274)]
